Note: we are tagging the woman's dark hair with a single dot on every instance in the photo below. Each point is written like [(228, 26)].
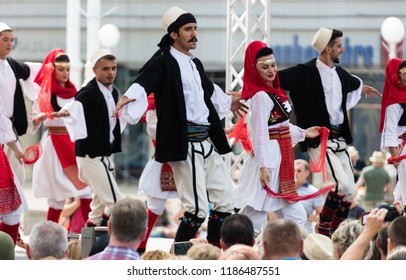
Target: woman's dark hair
[(401, 66), (62, 58), (264, 52)]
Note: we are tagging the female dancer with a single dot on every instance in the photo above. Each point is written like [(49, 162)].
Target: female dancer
[(271, 165), (393, 121), (60, 181)]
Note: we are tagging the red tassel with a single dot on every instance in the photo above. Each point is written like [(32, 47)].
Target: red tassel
[(320, 165), (240, 134), (396, 160), (296, 198)]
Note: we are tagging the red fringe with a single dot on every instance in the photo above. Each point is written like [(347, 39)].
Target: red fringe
[(320, 165), (240, 134), (296, 198), (394, 160)]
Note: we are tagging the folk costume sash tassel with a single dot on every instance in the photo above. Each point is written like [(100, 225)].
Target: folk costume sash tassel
[(320, 165), (287, 189), (9, 197), (240, 133)]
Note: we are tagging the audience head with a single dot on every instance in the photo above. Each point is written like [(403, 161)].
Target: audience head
[(237, 229), (382, 243), (75, 249), (282, 239), (345, 235), (397, 233), (156, 255), (7, 251), (240, 252), (302, 172), (399, 253), (203, 251), (128, 221), (47, 239), (317, 247)]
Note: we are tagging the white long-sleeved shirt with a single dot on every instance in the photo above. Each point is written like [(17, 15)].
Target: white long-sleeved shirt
[(196, 111), (333, 93), (391, 129), (8, 86)]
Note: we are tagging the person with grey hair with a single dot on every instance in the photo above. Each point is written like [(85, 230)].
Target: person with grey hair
[(47, 239), (399, 253), (346, 233), (127, 228)]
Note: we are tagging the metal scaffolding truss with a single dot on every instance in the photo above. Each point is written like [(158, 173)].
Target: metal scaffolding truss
[(247, 20)]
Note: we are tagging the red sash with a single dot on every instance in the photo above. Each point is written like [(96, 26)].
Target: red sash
[(65, 150), (286, 170)]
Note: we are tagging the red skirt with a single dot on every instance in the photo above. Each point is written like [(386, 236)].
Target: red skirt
[(10, 199)]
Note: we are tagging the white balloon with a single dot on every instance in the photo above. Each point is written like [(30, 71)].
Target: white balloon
[(393, 30), (109, 35)]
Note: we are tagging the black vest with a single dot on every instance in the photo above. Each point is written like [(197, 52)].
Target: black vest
[(279, 113), (97, 142), (306, 91), (19, 118), (402, 120), (163, 78)]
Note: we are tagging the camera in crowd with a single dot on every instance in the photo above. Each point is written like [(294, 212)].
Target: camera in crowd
[(390, 216)]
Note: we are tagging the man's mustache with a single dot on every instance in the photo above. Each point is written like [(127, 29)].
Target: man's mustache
[(193, 40)]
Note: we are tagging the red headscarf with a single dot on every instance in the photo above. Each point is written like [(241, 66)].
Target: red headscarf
[(253, 82), (49, 85), (392, 92)]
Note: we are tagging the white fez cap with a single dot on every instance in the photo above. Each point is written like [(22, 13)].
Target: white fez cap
[(171, 16), (321, 39), (4, 26), (97, 55)]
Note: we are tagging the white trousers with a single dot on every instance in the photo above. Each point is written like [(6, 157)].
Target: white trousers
[(98, 173), (203, 178)]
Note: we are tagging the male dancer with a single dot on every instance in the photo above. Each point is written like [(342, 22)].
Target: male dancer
[(322, 86), (97, 135), (12, 103), (189, 135)]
